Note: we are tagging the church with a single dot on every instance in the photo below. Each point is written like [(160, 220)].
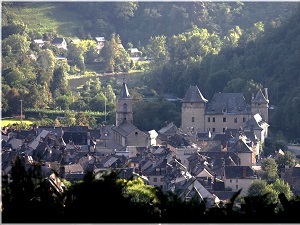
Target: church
[(223, 111)]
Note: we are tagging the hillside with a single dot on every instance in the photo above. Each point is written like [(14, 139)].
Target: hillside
[(221, 47), (48, 17)]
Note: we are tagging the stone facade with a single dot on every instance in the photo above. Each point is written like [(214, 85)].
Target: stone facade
[(224, 111), (124, 106)]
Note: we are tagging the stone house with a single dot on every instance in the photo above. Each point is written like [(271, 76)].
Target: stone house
[(60, 43), (238, 177)]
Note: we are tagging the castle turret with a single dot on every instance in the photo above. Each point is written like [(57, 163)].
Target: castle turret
[(260, 104), (193, 110), (124, 106)]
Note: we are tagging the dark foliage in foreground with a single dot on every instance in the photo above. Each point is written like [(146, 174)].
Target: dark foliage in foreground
[(28, 198)]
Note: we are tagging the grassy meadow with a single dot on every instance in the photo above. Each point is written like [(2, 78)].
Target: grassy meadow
[(6, 122), (46, 17)]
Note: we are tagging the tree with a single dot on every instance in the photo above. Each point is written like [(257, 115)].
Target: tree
[(288, 159), (46, 65), (281, 187), (81, 119), (156, 50), (257, 188), (270, 168), (15, 44), (59, 83), (97, 103), (115, 57), (125, 10)]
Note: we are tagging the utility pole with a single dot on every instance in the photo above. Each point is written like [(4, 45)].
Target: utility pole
[(21, 110), (105, 107)]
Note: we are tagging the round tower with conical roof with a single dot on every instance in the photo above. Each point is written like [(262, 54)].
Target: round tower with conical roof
[(124, 106), (193, 111)]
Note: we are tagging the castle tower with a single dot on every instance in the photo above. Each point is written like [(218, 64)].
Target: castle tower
[(124, 106), (260, 104), (193, 111)]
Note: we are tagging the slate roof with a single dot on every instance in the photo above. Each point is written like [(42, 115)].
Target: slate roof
[(58, 40), (238, 172), (170, 129), (95, 133), (57, 131), (256, 123), (98, 39), (178, 141), (76, 128), (260, 98), (125, 128), (73, 168), (193, 94), (223, 138), (239, 147), (231, 103), (203, 135), (124, 91), (77, 137), (15, 143)]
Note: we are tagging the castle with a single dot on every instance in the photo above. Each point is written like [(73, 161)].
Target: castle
[(225, 110)]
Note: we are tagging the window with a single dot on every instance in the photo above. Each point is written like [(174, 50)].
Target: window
[(208, 119), (235, 120), (125, 107), (224, 119), (161, 179), (193, 119), (237, 187), (155, 179), (244, 119), (230, 181), (224, 130), (214, 130), (214, 119)]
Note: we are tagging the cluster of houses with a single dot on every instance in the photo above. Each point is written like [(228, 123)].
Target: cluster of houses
[(194, 160), (61, 43)]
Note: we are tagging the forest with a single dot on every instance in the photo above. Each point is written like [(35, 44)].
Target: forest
[(220, 47)]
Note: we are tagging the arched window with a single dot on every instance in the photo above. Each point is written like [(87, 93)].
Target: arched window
[(125, 107)]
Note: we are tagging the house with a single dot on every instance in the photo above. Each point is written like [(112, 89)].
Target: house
[(156, 172), (100, 43), (238, 177), (225, 110), (244, 152), (126, 134), (59, 43), (39, 42), (181, 148), (135, 54)]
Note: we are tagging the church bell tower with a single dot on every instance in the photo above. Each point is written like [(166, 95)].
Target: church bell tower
[(124, 106)]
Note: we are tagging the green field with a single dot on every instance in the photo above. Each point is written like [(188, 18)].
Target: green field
[(14, 121), (46, 17)]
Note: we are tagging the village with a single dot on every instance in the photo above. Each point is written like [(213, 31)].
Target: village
[(214, 154)]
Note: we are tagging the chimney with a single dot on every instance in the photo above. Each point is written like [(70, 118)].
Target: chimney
[(89, 141), (266, 93), (209, 181), (244, 172)]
